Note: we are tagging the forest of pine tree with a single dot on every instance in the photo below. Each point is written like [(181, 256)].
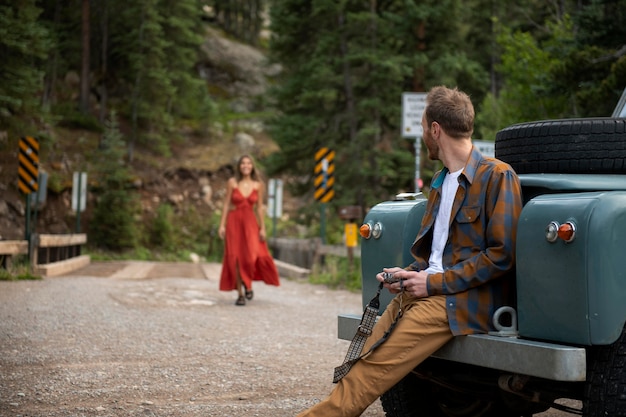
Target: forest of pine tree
[(344, 66)]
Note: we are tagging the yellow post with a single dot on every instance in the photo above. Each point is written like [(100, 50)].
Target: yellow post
[(351, 241), (351, 234)]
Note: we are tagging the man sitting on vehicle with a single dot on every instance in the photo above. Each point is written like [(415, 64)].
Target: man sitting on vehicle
[(464, 258)]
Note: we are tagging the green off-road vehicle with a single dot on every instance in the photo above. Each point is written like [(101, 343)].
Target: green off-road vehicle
[(565, 336)]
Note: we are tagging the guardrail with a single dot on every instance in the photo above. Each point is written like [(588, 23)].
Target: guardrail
[(307, 252), (50, 254), (11, 248)]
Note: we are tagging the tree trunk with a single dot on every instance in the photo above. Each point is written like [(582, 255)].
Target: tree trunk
[(136, 95), (418, 78), (49, 92), (256, 11), (105, 42), (493, 61), (236, 13), (347, 78), (84, 76), (377, 136), (227, 17)]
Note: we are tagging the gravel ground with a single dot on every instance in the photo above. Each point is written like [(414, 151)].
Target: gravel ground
[(148, 339)]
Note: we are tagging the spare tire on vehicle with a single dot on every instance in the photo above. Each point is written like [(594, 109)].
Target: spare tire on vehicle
[(567, 146)]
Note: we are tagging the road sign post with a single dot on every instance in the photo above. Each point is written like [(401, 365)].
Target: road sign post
[(79, 195), (28, 168), (324, 182), (485, 147), (275, 201), (413, 105), (28, 172), (620, 108)]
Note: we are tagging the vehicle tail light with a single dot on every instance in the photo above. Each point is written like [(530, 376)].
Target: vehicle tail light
[(377, 230), (567, 231), (368, 230), (552, 232), (365, 231)]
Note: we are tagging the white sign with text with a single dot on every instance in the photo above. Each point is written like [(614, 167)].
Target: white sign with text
[(485, 147), (413, 105)]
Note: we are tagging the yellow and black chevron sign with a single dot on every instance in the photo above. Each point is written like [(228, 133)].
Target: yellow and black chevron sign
[(28, 169), (324, 175)]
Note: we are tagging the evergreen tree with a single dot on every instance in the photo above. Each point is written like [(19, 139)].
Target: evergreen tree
[(183, 30), (141, 45), (142, 62), (241, 18), (571, 64), (602, 23), (345, 66), (24, 43), (529, 91), (63, 21), (596, 69), (113, 223)]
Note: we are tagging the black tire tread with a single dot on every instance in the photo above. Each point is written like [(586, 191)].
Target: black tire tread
[(567, 146), (402, 400), (605, 391), (413, 397)]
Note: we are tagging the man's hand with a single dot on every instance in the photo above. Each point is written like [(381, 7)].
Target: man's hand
[(411, 282)]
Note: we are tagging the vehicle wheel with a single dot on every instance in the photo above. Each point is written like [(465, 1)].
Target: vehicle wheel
[(605, 390), (568, 146), (413, 397), (404, 398)]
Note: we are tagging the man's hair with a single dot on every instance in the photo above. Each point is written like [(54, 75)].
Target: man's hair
[(452, 109)]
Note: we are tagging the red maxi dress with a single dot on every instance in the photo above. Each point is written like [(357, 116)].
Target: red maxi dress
[(243, 247)]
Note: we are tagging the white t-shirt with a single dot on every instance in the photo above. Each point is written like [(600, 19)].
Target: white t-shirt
[(442, 221)]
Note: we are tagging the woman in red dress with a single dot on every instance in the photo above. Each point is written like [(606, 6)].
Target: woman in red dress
[(246, 257)]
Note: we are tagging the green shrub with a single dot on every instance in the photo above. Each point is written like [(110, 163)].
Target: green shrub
[(338, 272), (162, 231), (19, 270), (71, 117), (203, 236), (114, 224)]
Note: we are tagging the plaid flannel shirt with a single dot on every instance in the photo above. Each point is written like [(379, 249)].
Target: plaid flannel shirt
[(479, 256)]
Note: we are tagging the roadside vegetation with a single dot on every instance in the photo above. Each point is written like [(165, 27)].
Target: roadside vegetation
[(125, 85), (18, 269)]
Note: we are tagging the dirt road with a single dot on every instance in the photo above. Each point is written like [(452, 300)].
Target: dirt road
[(148, 339)]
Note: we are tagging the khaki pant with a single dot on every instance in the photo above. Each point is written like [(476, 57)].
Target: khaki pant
[(422, 330)]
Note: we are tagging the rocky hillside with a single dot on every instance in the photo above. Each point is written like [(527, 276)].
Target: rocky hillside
[(194, 175)]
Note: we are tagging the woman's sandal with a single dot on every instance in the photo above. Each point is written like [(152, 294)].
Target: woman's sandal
[(241, 301), (249, 294)]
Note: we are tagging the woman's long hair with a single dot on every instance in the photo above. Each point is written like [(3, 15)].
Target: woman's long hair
[(253, 173)]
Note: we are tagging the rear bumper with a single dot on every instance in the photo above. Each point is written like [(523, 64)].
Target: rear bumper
[(509, 354)]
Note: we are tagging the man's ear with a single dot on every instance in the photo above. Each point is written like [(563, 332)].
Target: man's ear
[(435, 129)]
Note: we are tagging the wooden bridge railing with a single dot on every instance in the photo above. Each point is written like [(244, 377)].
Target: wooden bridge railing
[(50, 254)]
